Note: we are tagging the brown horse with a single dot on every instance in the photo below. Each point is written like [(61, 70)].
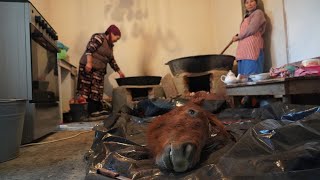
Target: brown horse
[(176, 138)]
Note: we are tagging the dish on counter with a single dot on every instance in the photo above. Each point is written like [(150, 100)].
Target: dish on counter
[(259, 77), (311, 62)]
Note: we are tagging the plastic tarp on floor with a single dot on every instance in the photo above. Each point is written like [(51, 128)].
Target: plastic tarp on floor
[(277, 141)]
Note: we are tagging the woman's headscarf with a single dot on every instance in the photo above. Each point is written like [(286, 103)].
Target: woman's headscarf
[(114, 30)]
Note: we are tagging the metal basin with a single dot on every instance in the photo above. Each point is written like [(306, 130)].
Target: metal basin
[(139, 81), (201, 63)]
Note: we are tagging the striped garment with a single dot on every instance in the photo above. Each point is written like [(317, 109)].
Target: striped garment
[(102, 52), (94, 43), (251, 41), (90, 84)]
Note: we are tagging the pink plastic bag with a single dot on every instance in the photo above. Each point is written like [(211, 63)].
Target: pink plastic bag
[(305, 71), (283, 71)]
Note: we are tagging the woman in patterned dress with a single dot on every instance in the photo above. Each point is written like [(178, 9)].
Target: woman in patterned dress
[(93, 65)]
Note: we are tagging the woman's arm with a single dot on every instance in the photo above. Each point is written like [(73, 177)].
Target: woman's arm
[(256, 22), (115, 67), (121, 74), (95, 42)]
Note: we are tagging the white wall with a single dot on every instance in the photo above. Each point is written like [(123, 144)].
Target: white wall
[(154, 32), (157, 31), (303, 29), (275, 35), (227, 18), (43, 6)]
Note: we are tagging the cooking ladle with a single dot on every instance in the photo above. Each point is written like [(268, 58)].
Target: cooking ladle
[(227, 46)]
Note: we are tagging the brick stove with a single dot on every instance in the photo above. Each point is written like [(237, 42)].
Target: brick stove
[(130, 95), (201, 73), (190, 74), (208, 81)]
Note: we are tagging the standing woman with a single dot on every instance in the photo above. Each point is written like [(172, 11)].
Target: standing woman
[(93, 65), (250, 55)]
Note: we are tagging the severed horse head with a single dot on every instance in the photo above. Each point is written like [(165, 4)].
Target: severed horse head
[(176, 138)]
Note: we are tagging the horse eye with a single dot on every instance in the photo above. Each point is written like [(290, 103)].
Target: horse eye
[(192, 112)]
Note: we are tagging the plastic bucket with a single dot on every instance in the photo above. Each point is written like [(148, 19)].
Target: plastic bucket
[(12, 113), (78, 112)]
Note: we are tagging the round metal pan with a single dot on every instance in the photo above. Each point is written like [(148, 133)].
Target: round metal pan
[(139, 81), (201, 63)]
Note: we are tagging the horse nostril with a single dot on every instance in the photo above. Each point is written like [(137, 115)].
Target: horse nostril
[(182, 156), (188, 150)]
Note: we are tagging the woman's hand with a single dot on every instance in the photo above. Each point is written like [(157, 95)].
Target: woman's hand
[(235, 38), (121, 74), (88, 67)]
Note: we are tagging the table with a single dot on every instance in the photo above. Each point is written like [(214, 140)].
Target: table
[(279, 87)]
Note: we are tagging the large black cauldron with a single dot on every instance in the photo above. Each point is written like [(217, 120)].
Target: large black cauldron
[(139, 81), (201, 63)]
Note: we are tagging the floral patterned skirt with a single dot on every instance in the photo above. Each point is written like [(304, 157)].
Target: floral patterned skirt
[(90, 84)]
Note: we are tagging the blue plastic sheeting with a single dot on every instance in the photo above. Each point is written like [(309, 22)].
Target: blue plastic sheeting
[(295, 116)]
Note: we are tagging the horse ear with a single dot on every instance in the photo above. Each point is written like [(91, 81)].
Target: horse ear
[(214, 121)]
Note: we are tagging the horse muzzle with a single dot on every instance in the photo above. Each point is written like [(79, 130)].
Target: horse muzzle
[(178, 157)]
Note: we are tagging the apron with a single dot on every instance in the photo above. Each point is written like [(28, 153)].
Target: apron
[(249, 47)]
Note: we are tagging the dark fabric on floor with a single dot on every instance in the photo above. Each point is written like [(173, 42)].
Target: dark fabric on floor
[(277, 141)]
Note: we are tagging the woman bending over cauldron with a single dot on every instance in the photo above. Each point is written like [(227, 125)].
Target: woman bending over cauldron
[(93, 64)]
